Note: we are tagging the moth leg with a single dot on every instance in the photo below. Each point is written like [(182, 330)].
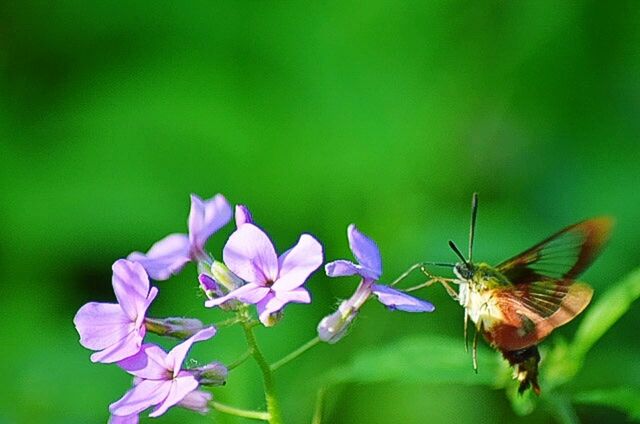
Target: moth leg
[(475, 348), (450, 290), (466, 325)]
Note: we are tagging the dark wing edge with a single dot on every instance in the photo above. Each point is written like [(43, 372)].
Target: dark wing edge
[(570, 251)]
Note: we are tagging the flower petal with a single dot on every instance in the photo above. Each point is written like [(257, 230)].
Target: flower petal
[(298, 295), (101, 325), (142, 396), (243, 215), (250, 255), (180, 387), (365, 250), (298, 263), (125, 348), (250, 293), (131, 286), (395, 299), (129, 419), (206, 217), (149, 363), (176, 356), (165, 258), (343, 268)]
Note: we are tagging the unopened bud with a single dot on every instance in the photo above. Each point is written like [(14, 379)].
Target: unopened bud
[(213, 374), (222, 275), (209, 286), (197, 401), (180, 328), (333, 327)]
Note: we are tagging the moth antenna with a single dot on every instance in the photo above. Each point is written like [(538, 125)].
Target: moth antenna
[(457, 251), (443, 264), (472, 231)]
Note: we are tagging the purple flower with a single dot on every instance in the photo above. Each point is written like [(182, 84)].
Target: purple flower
[(160, 381), (169, 255), (369, 267), (116, 330), (272, 281)]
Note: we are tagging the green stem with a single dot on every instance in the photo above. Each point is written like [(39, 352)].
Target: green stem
[(245, 413), (240, 360), (227, 322), (317, 413), (273, 407), (293, 355)]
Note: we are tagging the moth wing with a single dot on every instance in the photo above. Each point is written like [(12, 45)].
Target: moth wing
[(564, 255), (532, 311)]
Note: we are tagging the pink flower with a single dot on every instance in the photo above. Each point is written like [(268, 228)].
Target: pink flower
[(116, 330), (161, 382), (272, 281), (369, 268), (169, 255)]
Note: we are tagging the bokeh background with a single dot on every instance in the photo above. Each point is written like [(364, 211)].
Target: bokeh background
[(315, 115)]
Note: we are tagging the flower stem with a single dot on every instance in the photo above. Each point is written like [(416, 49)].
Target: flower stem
[(245, 413), (273, 407), (240, 360), (317, 413), (293, 355)]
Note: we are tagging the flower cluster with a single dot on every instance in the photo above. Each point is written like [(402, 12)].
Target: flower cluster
[(251, 273)]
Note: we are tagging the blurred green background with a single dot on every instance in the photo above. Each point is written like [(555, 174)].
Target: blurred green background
[(315, 115)]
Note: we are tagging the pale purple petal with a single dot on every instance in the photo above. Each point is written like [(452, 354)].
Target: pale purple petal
[(149, 363), (250, 255), (250, 293), (197, 401), (343, 268), (298, 263), (206, 217), (125, 348), (243, 216), (129, 419), (142, 396), (395, 299), (365, 250), (176, 356), (180, 387), (131, 286), (298, 295), (165, 258), (101, 325)]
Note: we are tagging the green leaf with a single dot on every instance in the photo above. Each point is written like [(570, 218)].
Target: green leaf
[(626, 399), (605, 313), (421, 359)]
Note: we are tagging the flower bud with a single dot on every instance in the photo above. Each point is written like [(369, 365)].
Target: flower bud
[(273, 318), (180, 328), (213, 374), (333, 327), (197, 401), (222, 275), (209, 286)]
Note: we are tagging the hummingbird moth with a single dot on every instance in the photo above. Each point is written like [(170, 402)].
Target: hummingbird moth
[(519, 302)]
